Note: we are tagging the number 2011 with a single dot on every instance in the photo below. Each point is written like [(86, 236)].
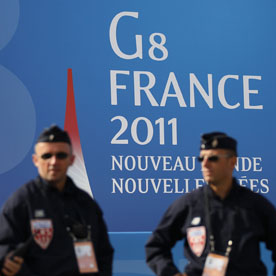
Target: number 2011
[(160, 123)]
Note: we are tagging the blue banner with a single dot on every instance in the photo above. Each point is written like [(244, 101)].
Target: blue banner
[(149, 78)]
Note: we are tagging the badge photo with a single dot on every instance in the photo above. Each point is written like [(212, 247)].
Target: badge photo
[(86, 257), (196, 237), (215, 265), (43, 231)]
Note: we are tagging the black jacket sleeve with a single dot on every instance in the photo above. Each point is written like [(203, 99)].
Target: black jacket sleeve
[(13, 230), (268, 215), (168, 232), (106, 251)]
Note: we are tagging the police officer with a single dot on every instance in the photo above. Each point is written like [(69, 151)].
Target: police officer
[(222, 223), (59, 226)]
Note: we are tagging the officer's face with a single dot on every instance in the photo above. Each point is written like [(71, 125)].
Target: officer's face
[(52, 161), (217, 165)]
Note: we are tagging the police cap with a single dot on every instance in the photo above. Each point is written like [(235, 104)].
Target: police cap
[(54, 134), (218, 140)]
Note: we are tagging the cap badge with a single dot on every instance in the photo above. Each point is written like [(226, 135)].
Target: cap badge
[(215, 143), (51, 137)]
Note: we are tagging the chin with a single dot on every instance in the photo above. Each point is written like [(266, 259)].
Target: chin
[(208, 180), (207, 177), (53, 179)]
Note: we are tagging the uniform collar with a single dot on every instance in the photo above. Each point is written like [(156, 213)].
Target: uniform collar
[(232, 194), (69, 187)]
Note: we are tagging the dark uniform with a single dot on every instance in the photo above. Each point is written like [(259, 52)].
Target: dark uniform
[(244, 217), (51, 252)]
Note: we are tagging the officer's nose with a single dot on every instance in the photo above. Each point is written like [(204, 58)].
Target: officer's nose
[(53, 159), (205, 162)]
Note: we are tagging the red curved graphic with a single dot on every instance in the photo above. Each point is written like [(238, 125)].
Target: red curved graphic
[(77, 171)]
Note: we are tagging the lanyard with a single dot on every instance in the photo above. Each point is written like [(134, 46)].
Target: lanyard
[(209, 226)]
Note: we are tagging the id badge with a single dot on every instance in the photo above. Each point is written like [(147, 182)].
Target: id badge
[(85, 255), (215, 265)]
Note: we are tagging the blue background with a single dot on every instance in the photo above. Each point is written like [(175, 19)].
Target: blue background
[(40, 40)]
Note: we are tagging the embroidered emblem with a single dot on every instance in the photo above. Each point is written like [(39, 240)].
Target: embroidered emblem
[(43, 231), (196, 237), (196, 221)]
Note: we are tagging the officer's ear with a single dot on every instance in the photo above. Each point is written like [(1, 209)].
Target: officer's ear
[(35, 159), (233, 161), (72, 159)]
